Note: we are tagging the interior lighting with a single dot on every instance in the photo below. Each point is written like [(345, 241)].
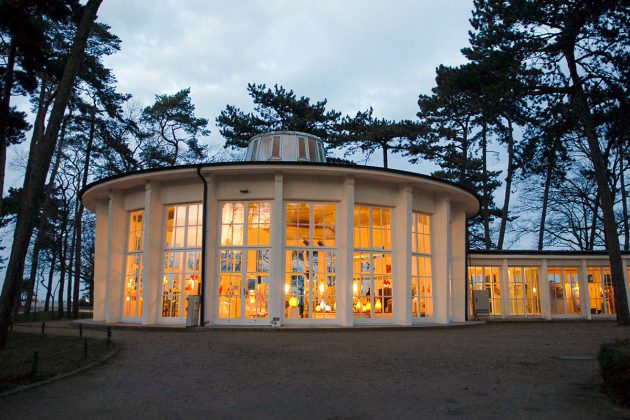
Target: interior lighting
[(293, 301), (378, 306), (321, 287), (286, 288), (355, 288)]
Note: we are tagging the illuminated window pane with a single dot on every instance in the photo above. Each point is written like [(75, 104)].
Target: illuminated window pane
[(181, 258), (244, 270), (524, 294), (310, 282), (133, 293)]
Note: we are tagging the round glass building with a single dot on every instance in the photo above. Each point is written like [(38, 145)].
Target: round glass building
[(279, 239)]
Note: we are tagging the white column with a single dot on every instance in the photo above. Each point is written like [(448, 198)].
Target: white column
[(585, 299), (345, 239), (210, 263), (152, 293), (458, 265), (100, 260), (276, 290), (401, 236), (505, 289), (116, 249), (441, 258), (543, 287)]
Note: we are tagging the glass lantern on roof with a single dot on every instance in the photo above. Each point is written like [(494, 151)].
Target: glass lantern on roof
[(291, 146)]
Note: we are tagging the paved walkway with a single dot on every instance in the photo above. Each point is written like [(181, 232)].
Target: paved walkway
[(500, 370)]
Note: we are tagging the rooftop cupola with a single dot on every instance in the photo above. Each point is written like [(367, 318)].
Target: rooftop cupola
[(292, 146)]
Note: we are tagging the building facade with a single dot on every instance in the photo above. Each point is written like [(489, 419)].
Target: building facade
[(285, 238), (544, 284), (282, 238)]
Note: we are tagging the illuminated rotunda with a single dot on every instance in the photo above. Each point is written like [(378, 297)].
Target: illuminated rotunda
[(285, 238)]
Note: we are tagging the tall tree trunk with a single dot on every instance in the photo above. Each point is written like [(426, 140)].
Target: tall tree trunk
[(70, 273), (485, 211), (63, 258), (543, 214), (78, 218), (583, 112), (43, 220), (36, 171), (385, 149), (5, 107), (51, 275), (464, 163), (508, 184), (624, 199), (593, 228), (33, 275)]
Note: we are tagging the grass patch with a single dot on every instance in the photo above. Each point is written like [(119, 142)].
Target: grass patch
[(614, 360), (57, 355)]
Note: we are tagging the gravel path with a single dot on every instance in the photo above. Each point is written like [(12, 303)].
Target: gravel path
[(499, 370)]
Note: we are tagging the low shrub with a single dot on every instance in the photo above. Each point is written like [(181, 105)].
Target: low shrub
[(614, 361)]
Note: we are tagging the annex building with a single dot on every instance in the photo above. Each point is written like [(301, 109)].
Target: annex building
[(284, 238)]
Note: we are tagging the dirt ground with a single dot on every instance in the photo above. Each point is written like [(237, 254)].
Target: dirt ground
[(499, 370)]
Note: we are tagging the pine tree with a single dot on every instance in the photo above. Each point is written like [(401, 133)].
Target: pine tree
[(275, 110)]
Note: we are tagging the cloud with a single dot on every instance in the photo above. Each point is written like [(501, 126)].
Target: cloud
[(354, 53)]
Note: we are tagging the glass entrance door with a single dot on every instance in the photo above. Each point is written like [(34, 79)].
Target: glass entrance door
[(310, 290), (243, 286)]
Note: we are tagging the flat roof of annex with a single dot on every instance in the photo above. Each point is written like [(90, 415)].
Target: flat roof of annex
[(101, 189)]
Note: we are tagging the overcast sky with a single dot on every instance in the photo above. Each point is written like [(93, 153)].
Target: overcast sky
[(354, 53)]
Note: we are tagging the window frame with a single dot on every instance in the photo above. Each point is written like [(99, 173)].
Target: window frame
[(419, 256), (135, 253), (373, 253), (184, 251), (308, 250), (244, 248)]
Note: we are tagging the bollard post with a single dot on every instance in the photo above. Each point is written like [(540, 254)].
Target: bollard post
[(43, 327), (80, 330), (109, 336), (34, 363), (85, 348)]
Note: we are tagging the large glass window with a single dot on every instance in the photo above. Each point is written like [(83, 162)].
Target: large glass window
[(181, 258), (600, 290), (134, 267), (564, 290), (244, 260), (524, 296), (486, 278), (372, 286), (310, 285), (421, 278)]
